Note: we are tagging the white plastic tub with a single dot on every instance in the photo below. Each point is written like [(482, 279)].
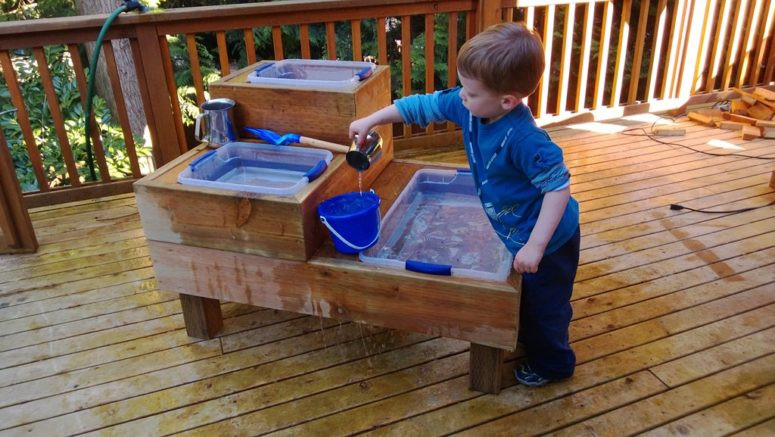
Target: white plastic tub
[(257, 168), (312, 73), (437, 226)]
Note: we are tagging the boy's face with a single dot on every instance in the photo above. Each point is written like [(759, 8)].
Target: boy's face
[(482, 101)]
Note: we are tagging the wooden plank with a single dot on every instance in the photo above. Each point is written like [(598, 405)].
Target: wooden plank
[(355, 26), (567, 44), (672, 404), (463, 409), (172, 90), (586, 48), (223, 55), (325, 287), (406, 64), (621, 53), (304, 41), (485, 368), (123, 117), (733, 46), (56, 115), (672, 56), (736, 414), (24, 120), (640, 41), (330, 40), (196, 72), (543, 86), (382, 40), (602, 62), (430, 84), (202, 316), (17, 230), (752, 32), (72, 194), (706, 43), (277, 43), (656, 52), (768, 20), (250, 46)]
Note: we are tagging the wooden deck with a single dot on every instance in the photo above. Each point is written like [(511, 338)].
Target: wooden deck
[(674, 323)]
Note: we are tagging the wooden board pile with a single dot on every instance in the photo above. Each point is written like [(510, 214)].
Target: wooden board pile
[(753, 114)]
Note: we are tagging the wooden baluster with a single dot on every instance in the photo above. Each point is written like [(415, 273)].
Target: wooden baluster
[(430, 76), (764, 40), (640, 42), (172, 89), (123, 117), (699, 67), (586, 44), (250, 46), (406, 66), (668, 78), (752, 33), (543, 88), (277, 43), (656, 49), (451, 56), (567, 45), (56, 115), (382, 41), (602, 54), (331, 40), (621, 54), (530, 14), (471, 20), (722, 28), (734, 44), (223, 55), (356, 32), (24, 120), (196, 71), (17, 231), (304, 40)]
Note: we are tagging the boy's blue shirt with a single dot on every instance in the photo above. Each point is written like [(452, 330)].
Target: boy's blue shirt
[(513, 161)]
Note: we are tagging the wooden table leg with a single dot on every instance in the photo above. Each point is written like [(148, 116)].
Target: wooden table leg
[(485, 368), (202, 316)]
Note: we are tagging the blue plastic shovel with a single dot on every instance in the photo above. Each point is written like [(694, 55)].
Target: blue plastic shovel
[(272, 137)]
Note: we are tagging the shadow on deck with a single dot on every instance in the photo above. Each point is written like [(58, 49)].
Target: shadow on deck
[(674, 323)]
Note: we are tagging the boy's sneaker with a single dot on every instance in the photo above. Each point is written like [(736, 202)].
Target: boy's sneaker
[(527, 376)]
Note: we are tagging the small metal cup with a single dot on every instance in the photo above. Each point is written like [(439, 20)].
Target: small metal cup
[(360, 157), (219, 127)]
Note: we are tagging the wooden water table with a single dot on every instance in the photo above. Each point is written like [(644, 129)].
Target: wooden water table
[(212, 245)]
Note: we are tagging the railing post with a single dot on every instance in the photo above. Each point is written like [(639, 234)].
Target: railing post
[(489, 13), (692, 40), (16, 232), (158, 104)]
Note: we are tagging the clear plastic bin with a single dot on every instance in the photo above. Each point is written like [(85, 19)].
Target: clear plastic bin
[(437, 225), (257, 168), (341, 75)]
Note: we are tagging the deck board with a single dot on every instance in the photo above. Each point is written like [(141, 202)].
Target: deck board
[(674, 322)]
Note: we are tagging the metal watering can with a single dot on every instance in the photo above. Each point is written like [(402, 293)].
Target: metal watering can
[(218, 115), (361, 156)]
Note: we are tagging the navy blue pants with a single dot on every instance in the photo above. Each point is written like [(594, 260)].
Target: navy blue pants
[(545, 312)]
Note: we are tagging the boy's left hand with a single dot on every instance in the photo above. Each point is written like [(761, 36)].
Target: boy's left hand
[(528, 258)]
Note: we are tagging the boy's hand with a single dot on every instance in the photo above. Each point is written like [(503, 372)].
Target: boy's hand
[(528, 258), (360, 127)]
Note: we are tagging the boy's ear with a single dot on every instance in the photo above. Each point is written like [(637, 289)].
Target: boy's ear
[(510, 101)]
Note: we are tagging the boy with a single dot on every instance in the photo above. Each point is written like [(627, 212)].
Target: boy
[(520, 178)]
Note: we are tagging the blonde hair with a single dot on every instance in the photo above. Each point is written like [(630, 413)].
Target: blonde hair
[(505, 57)]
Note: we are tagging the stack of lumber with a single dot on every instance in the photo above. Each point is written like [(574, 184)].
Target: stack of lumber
[(753, 114)]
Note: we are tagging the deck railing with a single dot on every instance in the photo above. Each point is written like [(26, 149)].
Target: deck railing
[(604, 58)]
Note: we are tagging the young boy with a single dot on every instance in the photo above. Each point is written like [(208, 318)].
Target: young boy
[(520, 178)]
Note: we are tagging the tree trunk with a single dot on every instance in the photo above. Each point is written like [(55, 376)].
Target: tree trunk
[(125, 65)]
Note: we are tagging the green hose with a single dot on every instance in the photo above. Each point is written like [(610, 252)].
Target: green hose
[(90, 86)]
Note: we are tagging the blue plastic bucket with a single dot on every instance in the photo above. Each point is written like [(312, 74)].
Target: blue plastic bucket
[(352, 219)]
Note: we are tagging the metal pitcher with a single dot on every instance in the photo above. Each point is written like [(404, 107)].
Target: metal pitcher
[(360, 157), (218, 115)]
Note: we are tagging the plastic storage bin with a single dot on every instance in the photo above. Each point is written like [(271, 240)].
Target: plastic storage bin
[(437, 225), (257, 168), (339, 75)]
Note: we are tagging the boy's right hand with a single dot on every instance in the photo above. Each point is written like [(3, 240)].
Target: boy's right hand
[(360, 127)]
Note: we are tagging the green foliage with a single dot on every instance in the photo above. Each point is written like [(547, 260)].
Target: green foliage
[(42, 123)]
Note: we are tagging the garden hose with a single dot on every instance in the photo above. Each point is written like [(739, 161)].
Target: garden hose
[(129, 5)]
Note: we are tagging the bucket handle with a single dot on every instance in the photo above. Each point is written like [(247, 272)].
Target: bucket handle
[(344, 240)]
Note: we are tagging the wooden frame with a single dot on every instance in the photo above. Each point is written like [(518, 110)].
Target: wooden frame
[(16, 232)]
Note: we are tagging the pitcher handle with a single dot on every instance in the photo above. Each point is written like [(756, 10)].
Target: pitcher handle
[(196, 127)]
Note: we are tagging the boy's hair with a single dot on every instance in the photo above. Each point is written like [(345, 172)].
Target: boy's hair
[(505, 57)]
